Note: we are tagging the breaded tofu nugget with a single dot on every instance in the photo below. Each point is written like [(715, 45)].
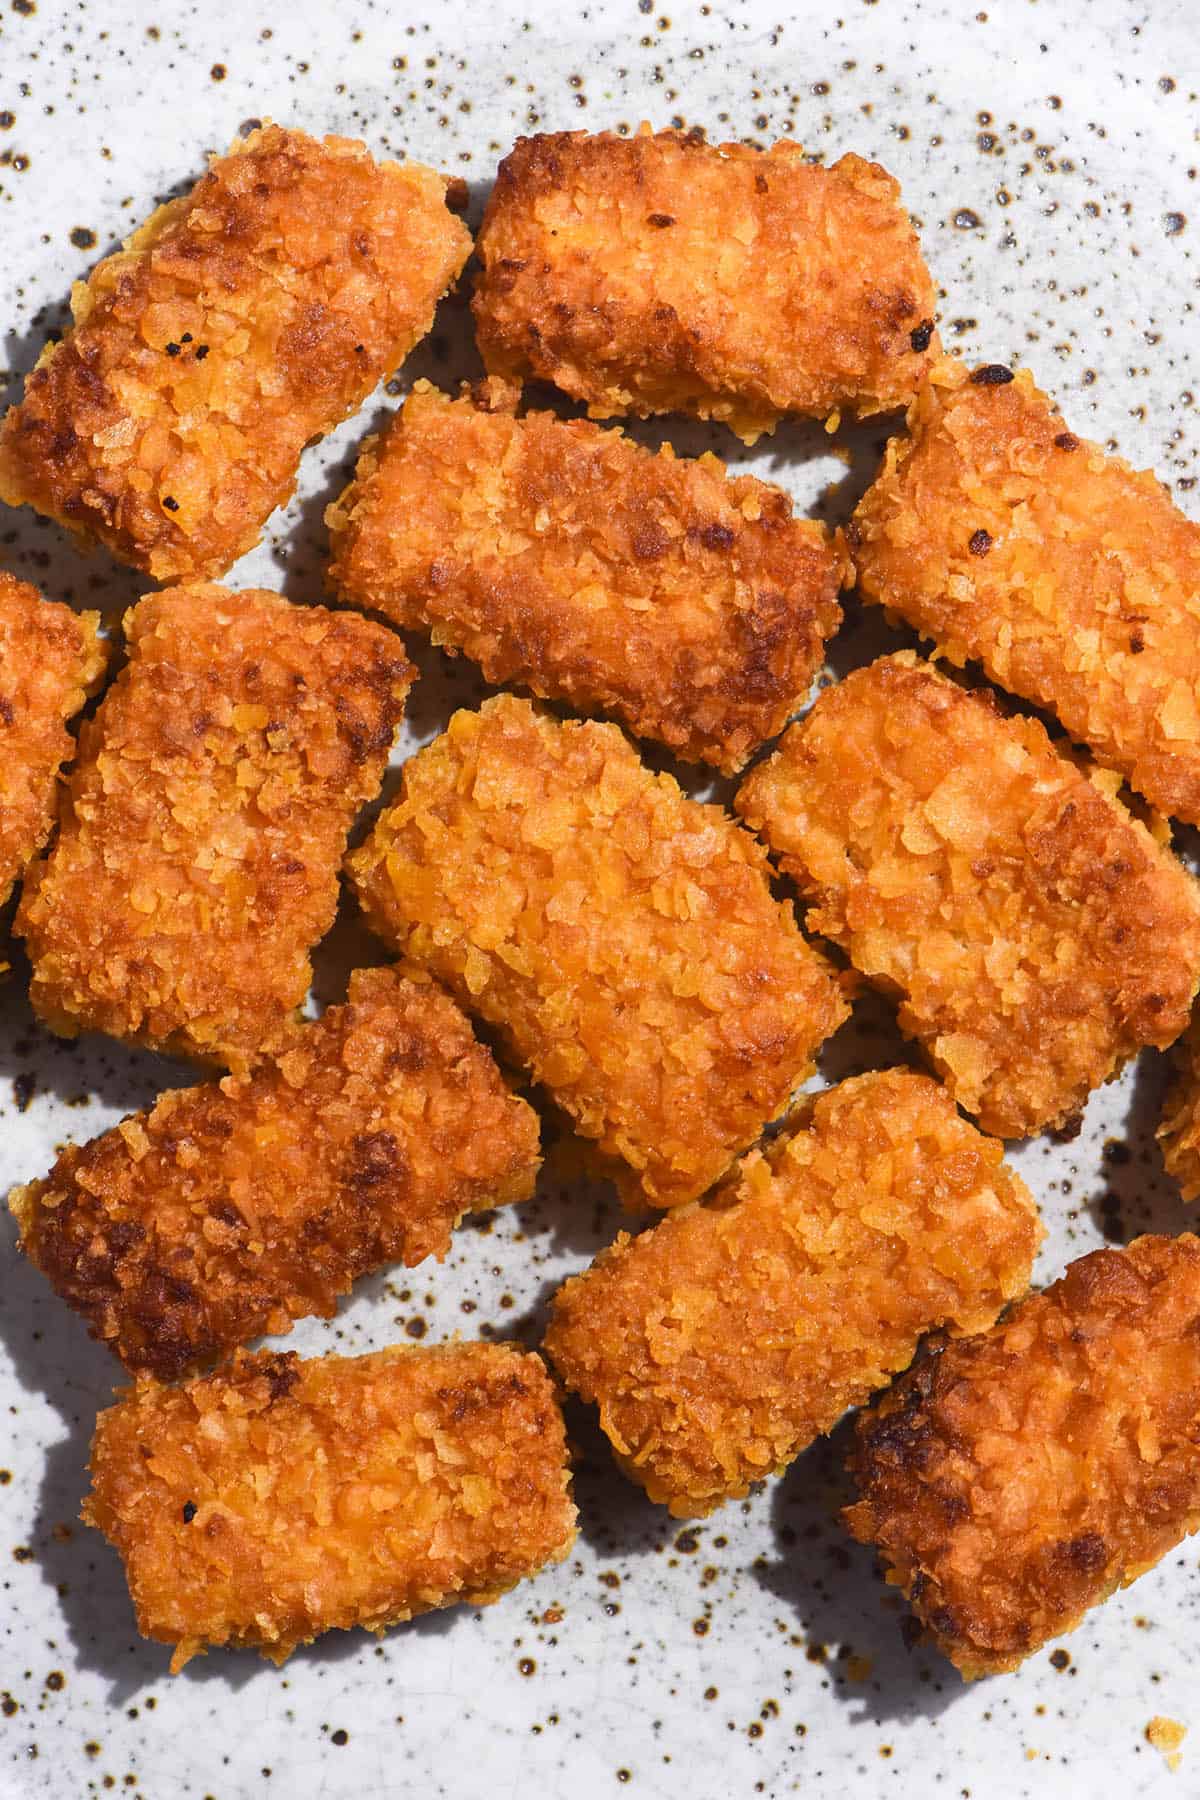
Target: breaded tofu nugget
[(1021, 1477), (51, 659), (571, 561), (622, 939), (720, 1344), (197, 858), (1033, 931), (659, 273), (276, 1499), (237, 324), (1179, 1132), (1069, 575), (229, 1211)]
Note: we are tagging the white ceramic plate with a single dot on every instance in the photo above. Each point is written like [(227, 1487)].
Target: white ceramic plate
[(1048, 149)]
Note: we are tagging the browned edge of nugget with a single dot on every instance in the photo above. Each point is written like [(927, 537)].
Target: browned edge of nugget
[(570, 561), (1034, 932), (1179, 1128), (1069, 575), (658, 273), (622, 938), (237, 324), (231, 1210), (1019, 1478), (277, 1498), (51, 661), (201, 831), (722, 1342)]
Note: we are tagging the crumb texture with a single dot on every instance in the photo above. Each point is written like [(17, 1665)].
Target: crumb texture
[(1035, 933)]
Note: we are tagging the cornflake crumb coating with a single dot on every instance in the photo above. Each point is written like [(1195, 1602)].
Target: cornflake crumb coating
[(51, 660), (720, 1344), (1034, 932), (278, 1498), (197, 858), (1017, 1479), (659, 273), (569, 560), (1179, 1130), (231, 1210), (238, 323), (622, 938), (1069, 575)]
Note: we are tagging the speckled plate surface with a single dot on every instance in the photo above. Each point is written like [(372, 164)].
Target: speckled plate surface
[(1048, 150)]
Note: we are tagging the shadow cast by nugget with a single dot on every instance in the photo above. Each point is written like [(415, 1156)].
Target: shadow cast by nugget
[(1136, 1194)]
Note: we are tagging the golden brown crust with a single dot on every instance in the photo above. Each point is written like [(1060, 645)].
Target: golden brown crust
[(197, 858), (659, 273), (277, 1499), (229, 1211), (1018, 1478), (720, 1344), (621, 937), (1070, 576), (570, 561), (51, 659), (1179, 1130), (1034, 932), (241, 321)]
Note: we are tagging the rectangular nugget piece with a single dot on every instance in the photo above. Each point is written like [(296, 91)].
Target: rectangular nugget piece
[(659, 273), (238, 323), (197, 859), (1069, 575), (276, 1499), (232, 1210), (720, 1344), (1019, 1478), (622, 938), (51, 659), (571, 561), (1035, 933)]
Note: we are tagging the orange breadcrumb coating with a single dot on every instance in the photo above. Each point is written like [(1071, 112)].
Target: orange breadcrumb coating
[(570, 560), (1070, 576), (232, 1210), (720, 1344), (197, 858), (277, 1499), (1179, 1131), (659, 273), (50, 661), (237, 324), (622, 938), (1019, 1478), (1035, 934)]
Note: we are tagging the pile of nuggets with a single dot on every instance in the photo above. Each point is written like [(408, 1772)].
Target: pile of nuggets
[(1018, 1456)]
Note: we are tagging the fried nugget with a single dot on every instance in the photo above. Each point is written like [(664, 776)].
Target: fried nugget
[(232, 1210), (197, 858), (571, 561), (659, 273), (1019, 1478), (720, 1344), (51, 659), (621, 938), (277, 1499), (1069, 575), (1034, 932), (237, 324)]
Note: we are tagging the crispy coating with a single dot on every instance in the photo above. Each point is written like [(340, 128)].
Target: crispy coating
[(571, 561), (232, 1210), (238, 323), (720, 1344), (197, 858), (622, 938), (1020, 1477), (51, 659), (1179, 1130), (1035, 933), (279, 1498), (659, 273), (1069, 575)]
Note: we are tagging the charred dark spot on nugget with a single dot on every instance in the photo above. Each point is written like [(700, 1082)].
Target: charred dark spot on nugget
[(991, 375), (189, 1511), (1066, 440), (171, 504), (660, 220), (921, 335), (375, 1158), (282, 1373), (980, 542)]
